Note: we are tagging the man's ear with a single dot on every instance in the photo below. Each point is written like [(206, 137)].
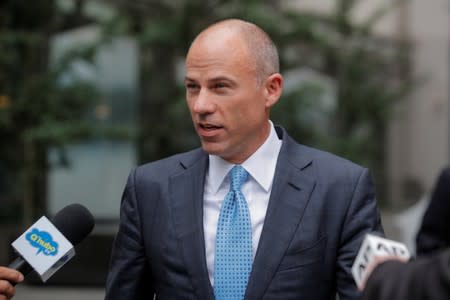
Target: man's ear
[(273, 88)]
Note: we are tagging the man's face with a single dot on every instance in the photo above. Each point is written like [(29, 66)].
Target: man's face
[(226, 101)]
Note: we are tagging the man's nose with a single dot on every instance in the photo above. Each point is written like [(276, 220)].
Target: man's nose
[(203, 103)]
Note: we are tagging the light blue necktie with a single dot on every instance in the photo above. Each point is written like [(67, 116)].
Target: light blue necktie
[(233, 257)]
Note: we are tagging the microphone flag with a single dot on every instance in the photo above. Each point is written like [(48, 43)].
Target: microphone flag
[(371, 248), (44, 248)]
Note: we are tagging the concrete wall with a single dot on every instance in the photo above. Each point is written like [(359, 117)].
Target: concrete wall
[(419, 135)]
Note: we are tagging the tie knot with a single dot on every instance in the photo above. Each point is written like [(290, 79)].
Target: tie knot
[(238, 177)]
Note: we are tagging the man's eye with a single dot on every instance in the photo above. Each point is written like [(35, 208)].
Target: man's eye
[(191, 86), (220, 85)]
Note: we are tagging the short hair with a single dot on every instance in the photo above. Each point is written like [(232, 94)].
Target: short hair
[(259, 44)]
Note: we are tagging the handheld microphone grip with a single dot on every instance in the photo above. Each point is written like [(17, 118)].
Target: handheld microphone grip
[(20, 265)]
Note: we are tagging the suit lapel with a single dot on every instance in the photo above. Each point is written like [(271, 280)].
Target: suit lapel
[(289, 197), (186, 196)]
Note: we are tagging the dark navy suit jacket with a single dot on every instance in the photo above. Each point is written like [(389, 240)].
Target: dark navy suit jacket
[(320, 208)]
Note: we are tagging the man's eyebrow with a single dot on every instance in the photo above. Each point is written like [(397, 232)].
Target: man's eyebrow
[(214, 79), (221, 78)]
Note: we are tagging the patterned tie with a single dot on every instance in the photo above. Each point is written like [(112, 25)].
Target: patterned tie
[(233, 257)]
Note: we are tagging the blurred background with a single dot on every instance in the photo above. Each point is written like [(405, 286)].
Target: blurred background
[(91, 88)]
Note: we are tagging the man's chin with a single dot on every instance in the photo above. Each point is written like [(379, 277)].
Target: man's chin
[(212, 149), (220, 151)]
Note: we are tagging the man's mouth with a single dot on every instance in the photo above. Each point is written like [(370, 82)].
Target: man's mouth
[(209, 127), (208, 130)]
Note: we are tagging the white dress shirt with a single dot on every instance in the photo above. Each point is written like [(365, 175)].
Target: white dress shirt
[(261, 168)]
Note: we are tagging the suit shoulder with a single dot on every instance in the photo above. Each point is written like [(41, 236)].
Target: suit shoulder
[(301, 155), (327, 159), (170, 165), (328, 166)]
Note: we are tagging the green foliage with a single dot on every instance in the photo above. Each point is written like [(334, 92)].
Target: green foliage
[(369, 75), (366, 69), (37, 110)]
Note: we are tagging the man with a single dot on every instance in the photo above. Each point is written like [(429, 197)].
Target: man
[(7, 277), (185, 220)]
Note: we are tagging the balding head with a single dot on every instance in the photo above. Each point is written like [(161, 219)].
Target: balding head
[(232, 81), (261, 50)]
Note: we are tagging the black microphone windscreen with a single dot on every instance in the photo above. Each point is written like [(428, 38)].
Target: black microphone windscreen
[(75, 222)]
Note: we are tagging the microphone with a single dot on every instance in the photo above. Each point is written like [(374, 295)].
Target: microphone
[(54, 241), (373, 248)]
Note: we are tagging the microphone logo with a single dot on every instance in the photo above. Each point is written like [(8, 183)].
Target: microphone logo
[(43, 241)]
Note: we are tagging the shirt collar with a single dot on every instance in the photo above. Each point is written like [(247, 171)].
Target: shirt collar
[(260, 165)]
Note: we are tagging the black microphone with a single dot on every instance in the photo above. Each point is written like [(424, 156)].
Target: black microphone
[(74, 222)]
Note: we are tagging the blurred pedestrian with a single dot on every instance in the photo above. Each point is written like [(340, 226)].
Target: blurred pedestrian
[(428, 277), (434, 233)]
